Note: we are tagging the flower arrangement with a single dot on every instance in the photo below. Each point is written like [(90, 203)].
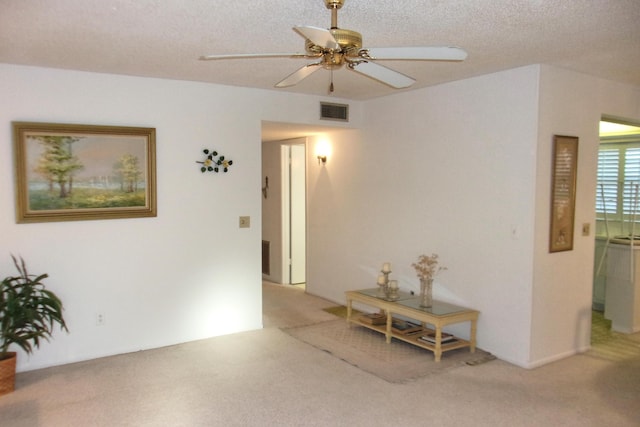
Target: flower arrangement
[(427, 267)]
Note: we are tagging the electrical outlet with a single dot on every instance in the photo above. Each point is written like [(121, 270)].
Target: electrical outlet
[(100, 319), (245, 221)]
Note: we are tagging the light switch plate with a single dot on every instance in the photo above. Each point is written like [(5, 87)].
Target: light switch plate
[(586, 228), (245, 221)]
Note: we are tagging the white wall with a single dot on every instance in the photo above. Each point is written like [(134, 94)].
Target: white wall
[(188, 274), (459, 169), (570, 104), (448, 170), (463, 170)]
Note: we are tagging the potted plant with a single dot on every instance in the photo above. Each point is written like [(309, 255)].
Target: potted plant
[(28, 313)]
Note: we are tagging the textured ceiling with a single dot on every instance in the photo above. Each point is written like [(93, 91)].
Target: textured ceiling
[(164, 38)]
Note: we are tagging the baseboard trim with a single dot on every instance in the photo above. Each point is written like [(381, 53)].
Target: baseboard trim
[(556, 357)]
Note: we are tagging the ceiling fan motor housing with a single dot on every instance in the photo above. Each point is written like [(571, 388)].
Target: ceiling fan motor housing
[(350, 44)]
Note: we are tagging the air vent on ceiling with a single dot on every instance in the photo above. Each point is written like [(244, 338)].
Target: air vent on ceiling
[(330, 111)]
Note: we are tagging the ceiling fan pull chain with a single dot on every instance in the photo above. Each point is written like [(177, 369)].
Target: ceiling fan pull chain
[(331, 85)]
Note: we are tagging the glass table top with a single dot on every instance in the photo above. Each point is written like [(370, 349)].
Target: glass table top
[(438, 308), (402, 295)]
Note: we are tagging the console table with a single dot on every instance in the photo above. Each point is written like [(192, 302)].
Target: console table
[(407, 305)]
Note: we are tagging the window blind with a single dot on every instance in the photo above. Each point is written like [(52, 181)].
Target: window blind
[(608, 169), (631, 191), (618, 191)]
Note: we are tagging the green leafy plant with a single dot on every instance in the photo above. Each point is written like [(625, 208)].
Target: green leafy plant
[(28, 311)]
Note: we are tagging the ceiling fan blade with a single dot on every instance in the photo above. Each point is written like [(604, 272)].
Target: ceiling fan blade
[(253, 55), (298, 75), (383, 74), (417, 53), (318, 36)]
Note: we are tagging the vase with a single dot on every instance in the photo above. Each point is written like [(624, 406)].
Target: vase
[(426, 292)]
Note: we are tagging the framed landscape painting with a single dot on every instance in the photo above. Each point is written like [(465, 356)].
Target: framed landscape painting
[(67, 172)]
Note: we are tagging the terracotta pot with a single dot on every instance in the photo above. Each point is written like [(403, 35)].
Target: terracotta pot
[(8, 373)]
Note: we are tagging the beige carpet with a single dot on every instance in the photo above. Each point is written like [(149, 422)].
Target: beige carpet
[(396, 362), (268, 378)]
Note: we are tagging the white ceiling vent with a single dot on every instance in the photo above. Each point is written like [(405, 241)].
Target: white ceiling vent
[(330, 111)]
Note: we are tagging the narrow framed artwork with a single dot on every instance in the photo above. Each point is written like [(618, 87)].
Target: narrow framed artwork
[(68, 172), (563, 192)]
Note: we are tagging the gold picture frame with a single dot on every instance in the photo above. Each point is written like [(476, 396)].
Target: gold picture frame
[(563, 193), (70, 172)]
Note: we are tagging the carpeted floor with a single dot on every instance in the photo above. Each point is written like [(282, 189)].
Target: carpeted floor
[(395, 362), (268, 378)]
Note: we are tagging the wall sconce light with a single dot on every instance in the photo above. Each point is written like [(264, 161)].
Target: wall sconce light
[(322, 151)]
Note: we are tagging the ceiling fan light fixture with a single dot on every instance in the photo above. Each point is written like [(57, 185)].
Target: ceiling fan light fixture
[(332, 60)]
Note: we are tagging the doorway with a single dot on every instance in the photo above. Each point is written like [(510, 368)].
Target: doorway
[(284, 211), (617, 224)]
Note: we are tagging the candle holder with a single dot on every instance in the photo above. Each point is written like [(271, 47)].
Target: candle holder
[(393, 290), (383, 290)]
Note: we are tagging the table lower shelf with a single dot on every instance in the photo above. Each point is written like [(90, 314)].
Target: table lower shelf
[(414, 337)]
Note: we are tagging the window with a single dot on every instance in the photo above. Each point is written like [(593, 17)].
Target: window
[(619, 178)]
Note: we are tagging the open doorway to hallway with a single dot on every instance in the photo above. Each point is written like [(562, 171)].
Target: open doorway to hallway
[(275, 134), (284, 211)]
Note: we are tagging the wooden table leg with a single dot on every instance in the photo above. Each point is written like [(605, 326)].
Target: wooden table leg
[(472, 343), (388, 331), (438, 352)]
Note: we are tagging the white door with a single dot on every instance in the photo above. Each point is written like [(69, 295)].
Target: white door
[(294, 213), (298, 215)]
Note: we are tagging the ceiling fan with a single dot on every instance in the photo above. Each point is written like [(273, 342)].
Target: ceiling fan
[(337, 47)]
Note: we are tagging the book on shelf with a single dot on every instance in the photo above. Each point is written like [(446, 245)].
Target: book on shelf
[(374, 318), (404, 327), (445, 339)]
